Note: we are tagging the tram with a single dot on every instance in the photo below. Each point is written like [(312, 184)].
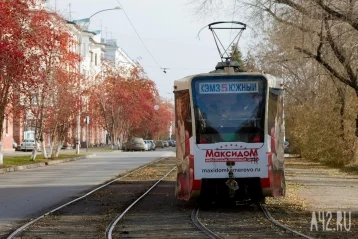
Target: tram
[(229, 131)]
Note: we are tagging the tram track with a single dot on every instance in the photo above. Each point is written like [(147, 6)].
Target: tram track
[(156, 214), (111, 226), (26, 228), (243, 229), (153, 213)]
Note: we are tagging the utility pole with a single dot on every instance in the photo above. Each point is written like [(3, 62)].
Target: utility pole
[(69, 7), (79, 101), (78, 132), (87, 140)]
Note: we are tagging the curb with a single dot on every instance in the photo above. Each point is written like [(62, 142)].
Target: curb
[(37, 165)]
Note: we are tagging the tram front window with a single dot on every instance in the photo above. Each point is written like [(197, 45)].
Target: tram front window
[(229, 117)]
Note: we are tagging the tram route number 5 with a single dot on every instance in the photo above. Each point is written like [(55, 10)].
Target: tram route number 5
[(343, 221)]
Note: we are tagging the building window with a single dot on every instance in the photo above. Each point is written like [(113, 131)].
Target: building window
[(95, 59), (91, 54)]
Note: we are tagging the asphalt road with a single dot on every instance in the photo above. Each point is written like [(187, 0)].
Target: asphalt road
[(29, 193)]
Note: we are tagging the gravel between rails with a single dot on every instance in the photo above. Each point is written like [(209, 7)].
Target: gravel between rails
[(242, 221), (159, 215)]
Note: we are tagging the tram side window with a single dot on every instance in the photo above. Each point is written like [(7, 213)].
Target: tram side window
[(183, 112), (275, 116), (275, 108)]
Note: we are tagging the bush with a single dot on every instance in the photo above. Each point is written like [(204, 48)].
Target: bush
[(321, 127)]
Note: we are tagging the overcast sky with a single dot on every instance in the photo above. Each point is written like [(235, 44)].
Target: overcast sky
[(168, 28)]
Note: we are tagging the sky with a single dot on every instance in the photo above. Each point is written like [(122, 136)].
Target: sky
[(168, 28)]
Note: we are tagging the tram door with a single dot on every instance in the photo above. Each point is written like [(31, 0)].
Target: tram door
[(276, 137), (183, 132)]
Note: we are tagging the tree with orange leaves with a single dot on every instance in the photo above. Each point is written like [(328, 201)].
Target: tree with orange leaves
[(56, 73), (34, 45), (158, 122), (24, 35), (61, 114), (125, 103)]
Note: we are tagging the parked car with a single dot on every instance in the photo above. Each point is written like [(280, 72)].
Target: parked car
[(159, 144), (66, 145), (148, 145), (152, 144), (166, 144), (135, 144), (286, 147), (28, 145), (174, 143), (14, 144)]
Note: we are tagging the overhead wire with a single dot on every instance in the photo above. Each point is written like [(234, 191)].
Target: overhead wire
[(172, 68), (156, 62)]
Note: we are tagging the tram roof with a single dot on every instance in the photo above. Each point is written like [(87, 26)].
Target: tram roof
[(184, 83)]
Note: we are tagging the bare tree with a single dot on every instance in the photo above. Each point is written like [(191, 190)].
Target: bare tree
[(314, 43)]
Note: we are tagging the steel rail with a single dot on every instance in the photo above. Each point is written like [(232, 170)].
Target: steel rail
[(20, 229), (112, 225), (201, 227), (211, 234), (271, 219)]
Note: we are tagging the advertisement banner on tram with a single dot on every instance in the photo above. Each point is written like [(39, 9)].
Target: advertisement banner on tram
[(249, 160)]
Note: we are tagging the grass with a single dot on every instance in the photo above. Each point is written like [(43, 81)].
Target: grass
[(98, 149), (25, 160)]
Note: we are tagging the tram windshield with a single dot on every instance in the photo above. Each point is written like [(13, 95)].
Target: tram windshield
[(229, 108)]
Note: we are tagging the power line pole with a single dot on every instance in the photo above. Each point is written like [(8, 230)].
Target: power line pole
[(87, 134), (70, 11)]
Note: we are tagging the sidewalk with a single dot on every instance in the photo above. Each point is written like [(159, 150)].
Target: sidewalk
[(323, 188)]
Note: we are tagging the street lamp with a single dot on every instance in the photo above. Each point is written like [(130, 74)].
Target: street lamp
[(115, 8), (84, 23)]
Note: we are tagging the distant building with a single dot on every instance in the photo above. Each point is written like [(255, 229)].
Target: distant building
[(92, 48), (116, 56), (7, 138)]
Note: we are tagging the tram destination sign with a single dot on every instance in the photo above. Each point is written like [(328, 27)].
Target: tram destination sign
[(228, 87)]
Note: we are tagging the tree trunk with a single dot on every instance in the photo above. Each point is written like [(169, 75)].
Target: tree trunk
[(44, 151), (342, 93), (2, 117), (1, 154), (55, 146), (78, 132), (59, 148), (51, 148), (355, 157), (34, 151)]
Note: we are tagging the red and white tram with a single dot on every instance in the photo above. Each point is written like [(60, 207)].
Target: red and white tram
[(229, 133)]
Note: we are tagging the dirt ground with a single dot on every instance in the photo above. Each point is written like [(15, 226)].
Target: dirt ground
[(310, 188), (318, 195)]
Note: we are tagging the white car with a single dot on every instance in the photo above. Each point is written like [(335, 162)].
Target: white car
[(28, 145)]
